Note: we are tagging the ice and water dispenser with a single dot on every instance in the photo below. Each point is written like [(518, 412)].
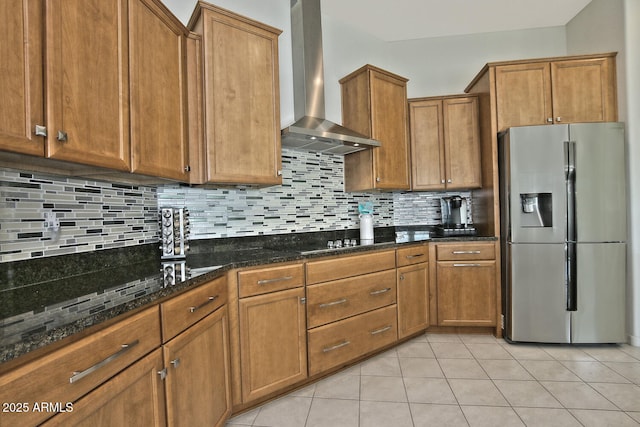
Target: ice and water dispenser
[(537, 210)]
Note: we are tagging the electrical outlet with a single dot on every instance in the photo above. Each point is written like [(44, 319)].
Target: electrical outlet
[(51, 221)]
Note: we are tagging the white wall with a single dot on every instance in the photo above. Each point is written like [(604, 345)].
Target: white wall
[(606, 26)]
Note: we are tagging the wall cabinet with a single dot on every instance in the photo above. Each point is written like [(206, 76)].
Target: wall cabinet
[(556, 91), (241, 93), (272, 327), (466, 284), (115, 78), (445, 143), (374, 103), (413, 289)]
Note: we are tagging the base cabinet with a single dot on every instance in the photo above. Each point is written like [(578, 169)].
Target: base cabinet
[(466, 284), (413, 299), (273, 345), (197, 383), (135, 397)]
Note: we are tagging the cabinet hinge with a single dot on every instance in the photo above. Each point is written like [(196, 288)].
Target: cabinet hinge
[(163, 374), (502, 321), (187, 168)]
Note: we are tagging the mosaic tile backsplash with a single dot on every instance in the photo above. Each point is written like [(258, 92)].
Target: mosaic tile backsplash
[(98, 215)]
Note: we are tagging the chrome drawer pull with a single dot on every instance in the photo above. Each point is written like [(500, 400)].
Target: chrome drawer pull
[(466, 265), (332, 303), (381, 330), (381, 291), (335, 347), (414, 256), (277, 279), (465, 252), (125, 348), (209, 301)]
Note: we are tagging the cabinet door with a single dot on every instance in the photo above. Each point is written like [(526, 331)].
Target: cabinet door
[(242, 103), (427, 145), (159, 127), (198, 387), (87, 80), (462, 142), (413, 299), (135, 397), (22, 105), (584, 90), (272, 342), (523, 95), (389, 126), (466, 293)]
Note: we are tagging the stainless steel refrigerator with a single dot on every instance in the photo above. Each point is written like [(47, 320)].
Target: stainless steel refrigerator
[(563, 218)]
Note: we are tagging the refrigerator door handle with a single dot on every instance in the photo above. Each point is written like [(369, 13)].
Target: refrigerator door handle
[(570, 173), (571, 260)]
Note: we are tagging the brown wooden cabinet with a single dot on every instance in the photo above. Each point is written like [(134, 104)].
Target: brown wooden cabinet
[(197, 384), (158, 103), (273, 344), (21, 83), (195, 333), (242, 98), (466, 284), (579, 89), (445, 143), (106, 93), (374, 103), (413, 289), (87, 82), (134, 397), (69, 373)]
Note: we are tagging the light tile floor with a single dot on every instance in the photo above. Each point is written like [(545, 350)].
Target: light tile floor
[(468, 380)]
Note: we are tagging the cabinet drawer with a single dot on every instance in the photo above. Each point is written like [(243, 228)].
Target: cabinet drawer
[(348, 266), (465, 251), (264, 280), (340, 342), (71, 372), (331, 301), (184, 310), (412, 255)]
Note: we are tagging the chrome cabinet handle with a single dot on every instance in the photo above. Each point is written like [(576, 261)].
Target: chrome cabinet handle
[(332, 303), (442, 181), (198, 307), (380, 291), (40, 130), (62, 136), (337, 346), (449, 181), (549, 120), (277, 279), (414, 256), (381, 330), (466, 265), (558, 119), (465, 252), (125, 348), (175, 362)]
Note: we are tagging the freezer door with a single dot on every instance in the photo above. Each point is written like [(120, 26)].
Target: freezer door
[(600, 182), (536, 185), (536, 293), (600, 317)]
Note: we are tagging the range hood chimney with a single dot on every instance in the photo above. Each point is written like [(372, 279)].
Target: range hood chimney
[(311, 131)]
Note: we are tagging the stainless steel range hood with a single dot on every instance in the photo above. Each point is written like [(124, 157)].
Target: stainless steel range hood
[(311, 131)]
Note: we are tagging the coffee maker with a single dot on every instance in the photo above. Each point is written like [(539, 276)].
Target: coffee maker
[(454, 217)]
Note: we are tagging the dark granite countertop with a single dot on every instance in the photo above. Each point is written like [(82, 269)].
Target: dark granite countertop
[(48, 299)]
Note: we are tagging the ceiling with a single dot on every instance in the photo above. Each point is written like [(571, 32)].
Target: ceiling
[(414, 19)]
